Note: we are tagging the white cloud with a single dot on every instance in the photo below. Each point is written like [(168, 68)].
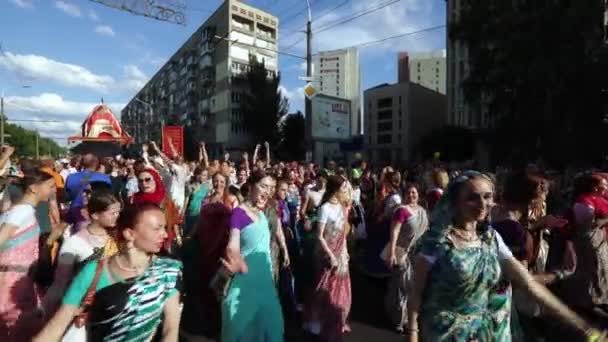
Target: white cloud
[(295, 97), (105, 30), (401, 17), (50, 106), (68, 8), (93, 16), (23, 3), (134, 78), (40, 67)]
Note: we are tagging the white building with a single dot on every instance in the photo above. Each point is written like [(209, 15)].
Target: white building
[(337, 73), (429, 70), (200, 86)]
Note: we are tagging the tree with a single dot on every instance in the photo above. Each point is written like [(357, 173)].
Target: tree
[(452, 142), (292, 144), (262, 103), (24, 141), (538, 69)]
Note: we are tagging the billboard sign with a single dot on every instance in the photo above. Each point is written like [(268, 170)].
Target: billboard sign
[(330, 118)]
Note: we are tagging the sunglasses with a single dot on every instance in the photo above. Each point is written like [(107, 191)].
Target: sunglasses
[(144, 180)]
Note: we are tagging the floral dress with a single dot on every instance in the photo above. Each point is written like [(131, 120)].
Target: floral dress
[(462, 301)]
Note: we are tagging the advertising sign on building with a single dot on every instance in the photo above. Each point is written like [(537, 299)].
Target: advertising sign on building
[(330, 118), (173, 135)]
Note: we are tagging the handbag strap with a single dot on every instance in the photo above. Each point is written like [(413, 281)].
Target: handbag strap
[(89, 297)]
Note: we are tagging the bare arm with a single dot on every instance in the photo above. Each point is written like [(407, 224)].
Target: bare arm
[(7, 152), (521, 278), (417, 285), (267, 145), (55, 328), (202, 156), (160, 153), (172, 315), (247, 167), (324, 244), (6, 231), (255, 154), (64, 273), (281, 240)]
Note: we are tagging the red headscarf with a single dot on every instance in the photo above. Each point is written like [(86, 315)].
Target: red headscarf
[(156, 197)]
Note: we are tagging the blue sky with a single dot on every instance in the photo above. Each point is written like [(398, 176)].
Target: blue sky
[(71, 53)]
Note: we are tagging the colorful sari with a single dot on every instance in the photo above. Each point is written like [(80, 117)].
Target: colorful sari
[(275, 251), (18, 292), (331, 301), (251, 310), (129, 309)]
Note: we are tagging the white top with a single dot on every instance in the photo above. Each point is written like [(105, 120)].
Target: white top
[(79, 247), (331, 215), (22, 216), (316, 197), (356, 196)]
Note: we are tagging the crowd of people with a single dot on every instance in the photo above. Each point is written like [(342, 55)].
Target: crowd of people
[(121, 249)]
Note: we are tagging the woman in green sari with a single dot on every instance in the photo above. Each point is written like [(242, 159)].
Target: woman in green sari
[(457, 271)]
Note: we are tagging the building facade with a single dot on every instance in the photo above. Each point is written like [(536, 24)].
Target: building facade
[(201, 87), (337, 73), (396, 117), (429, 70), (459, 113)]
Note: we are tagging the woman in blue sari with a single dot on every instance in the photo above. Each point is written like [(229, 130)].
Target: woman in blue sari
[(251, 310), (458, 270)]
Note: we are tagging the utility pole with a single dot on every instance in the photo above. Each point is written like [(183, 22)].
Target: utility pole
[(307, 102), (2, 120)]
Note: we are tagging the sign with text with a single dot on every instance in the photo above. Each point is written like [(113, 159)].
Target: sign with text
[(330, 118), (173, 135)]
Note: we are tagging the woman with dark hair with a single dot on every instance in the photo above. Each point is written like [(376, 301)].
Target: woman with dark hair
[(250, 309), (331, 301), (198, 189), (460, 263), (408, 223), (152, 192), (125, 297), (92, 242), (19, 252)]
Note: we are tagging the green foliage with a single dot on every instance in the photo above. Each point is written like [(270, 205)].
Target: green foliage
[(539, 68), (24, 141), (452, 142), (262, 104), (292, 145)]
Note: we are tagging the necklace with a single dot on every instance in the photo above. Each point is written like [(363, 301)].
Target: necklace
[(136, 269), (468, 237)]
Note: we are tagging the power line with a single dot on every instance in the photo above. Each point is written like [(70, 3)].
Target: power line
[(382, 40), (357, 16), (354, 16)]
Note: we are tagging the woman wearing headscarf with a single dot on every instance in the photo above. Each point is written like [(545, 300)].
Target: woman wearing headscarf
[(458, 267), (152, 191)]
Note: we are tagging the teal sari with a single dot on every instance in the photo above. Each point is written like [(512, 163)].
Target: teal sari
[(251, 310)]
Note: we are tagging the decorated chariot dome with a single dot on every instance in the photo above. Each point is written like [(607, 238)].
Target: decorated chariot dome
[(102, 126)]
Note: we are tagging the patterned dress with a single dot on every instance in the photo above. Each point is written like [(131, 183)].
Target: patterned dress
[(18, 257), (332, 298), (462, 301), (129, 309)]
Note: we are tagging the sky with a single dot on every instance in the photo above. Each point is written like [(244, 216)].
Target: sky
[(59, 58)]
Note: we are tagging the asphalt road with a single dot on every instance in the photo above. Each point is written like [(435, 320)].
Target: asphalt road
[(367, 319)]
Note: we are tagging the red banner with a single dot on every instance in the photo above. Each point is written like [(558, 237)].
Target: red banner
[(173, 135)]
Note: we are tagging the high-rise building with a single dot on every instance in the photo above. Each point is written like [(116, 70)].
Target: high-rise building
[(337, 73), (459, 113), (428, 70), (199, 87)]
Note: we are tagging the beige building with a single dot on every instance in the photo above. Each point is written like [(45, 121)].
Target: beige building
[(337, 73), (199, 87), (396, 117), (429, 70)]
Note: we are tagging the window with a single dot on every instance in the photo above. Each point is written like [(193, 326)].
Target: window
[(385, 139), (385, 126), (337, 89), (385, 102), (385, 115)]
